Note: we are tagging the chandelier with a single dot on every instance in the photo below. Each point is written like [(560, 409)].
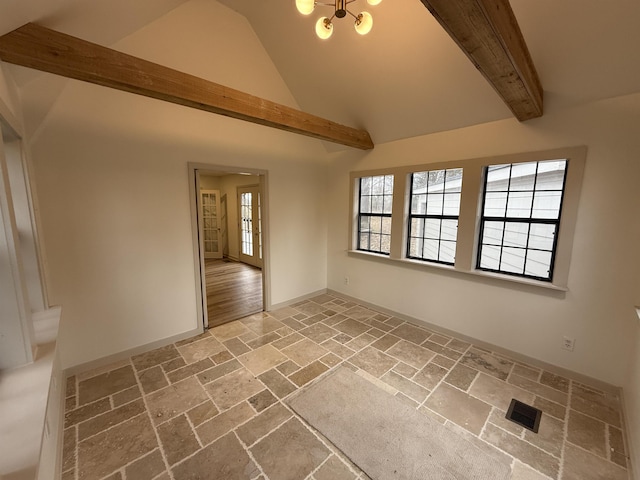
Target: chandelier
[(324, 26)]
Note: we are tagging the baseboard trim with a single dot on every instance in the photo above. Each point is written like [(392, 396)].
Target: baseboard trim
[(578, 377), (87, 368)]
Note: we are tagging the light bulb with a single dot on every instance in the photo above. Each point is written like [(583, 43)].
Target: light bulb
[(364, 23), (305, 7), (374, 2), (324, 28)]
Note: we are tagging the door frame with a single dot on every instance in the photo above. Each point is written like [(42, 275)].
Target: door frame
[(194, 171)]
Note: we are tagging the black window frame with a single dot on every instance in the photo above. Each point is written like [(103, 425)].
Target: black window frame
[(531, 221), (424, 216), (371, 215)]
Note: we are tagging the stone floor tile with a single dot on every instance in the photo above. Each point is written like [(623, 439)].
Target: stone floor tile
[(406, 400), (261, 324), (412, 334), (177, 439), (288, 367), (223, 459), (322, 299), (458, 345), (461, 377), (173, 364), (304, 352), (526, 372), (222, 357), (126, 396), (605, 407), (263, 340), (308, 373), (228, 331), (318, 332), (189, 340), (358, 312), (498, 393), (112, 449), (555, 381), (293, 324), (487, 363), (154, 357), (233, 388), (223, 423), (193, 352), (587, 432), (550, 408), (236, 346), (310, 308), (409, 388), (109, 419), (69, 449), (459, 407), (579, 464), (331, 360), (498, 418), (521, 471), (373, 361), (523, 451), (262, 359), (262, 400), (338, 349), (201, 413), (351, 327), (70, 386), (405, 370), (282, 313), (439, 339), (410, 353), (334, 469), (394, 321), (277, 383), (334, 319), (288, 340), (616, 443), (70, 403), (218, 371), (443, 361), (430, 376), (190, 370), (147, 467), (313, 319), (105, 384), (549, 437), (375, 323), (291, 452), (152, 379), (175, 399), (539, 389), (86, 412), (361, 341), (377, 382), (265, 422)]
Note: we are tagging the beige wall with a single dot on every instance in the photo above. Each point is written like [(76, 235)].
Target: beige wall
[(112, 178)]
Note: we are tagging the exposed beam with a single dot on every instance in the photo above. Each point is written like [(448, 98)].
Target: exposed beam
[(43, 49), (488, 33)]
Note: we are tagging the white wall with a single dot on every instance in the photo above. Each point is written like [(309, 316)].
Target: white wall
[(602, 280), (111, 173)]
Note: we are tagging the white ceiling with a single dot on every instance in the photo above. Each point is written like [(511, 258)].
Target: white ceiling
[(405, 78)]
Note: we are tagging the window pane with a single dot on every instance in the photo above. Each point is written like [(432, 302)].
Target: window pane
[(386, 225), (364, 241), (447, 251), (430, 251), (375, 242), (388, 184), (498, 178), (434, 204), (418, 204), (538, 264), (365, 186), (419, 182), (385, 245), (365, 205), (376, 204), (451, 204), (388, 204), (449, 230), (432, 228), (551, 175), (547, 205), (516, 234), (523, 176), (519, 204), (417, 227), (415, 247), (454, 180), (436, 180), (493, 232), (490, 258), (495, 204), (377, 185), (541, 236), (512, 260), (364, 224)]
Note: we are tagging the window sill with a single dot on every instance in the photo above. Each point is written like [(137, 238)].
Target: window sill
[(507, 280)]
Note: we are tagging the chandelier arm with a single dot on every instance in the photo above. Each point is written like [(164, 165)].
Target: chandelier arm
[(349, 12)]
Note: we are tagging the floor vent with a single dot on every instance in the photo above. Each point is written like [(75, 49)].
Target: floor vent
[(525, 415)]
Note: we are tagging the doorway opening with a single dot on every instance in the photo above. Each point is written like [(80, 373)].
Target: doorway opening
[(229, 216)]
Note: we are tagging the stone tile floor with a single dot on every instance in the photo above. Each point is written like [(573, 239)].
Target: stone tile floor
[(212, 407)]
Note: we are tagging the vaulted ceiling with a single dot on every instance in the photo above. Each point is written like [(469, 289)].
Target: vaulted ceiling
[(407, 77)]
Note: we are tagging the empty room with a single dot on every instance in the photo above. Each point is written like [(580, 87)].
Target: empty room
[(359, 239)]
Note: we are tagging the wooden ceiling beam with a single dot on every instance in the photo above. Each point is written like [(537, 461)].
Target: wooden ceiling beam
[(43, 49), (488, 33)]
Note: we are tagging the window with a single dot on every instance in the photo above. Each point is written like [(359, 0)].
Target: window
[(512, 219), (520, 218), (433, 218), (374, 213)]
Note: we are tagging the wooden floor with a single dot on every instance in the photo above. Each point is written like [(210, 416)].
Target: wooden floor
[(234, 290)]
